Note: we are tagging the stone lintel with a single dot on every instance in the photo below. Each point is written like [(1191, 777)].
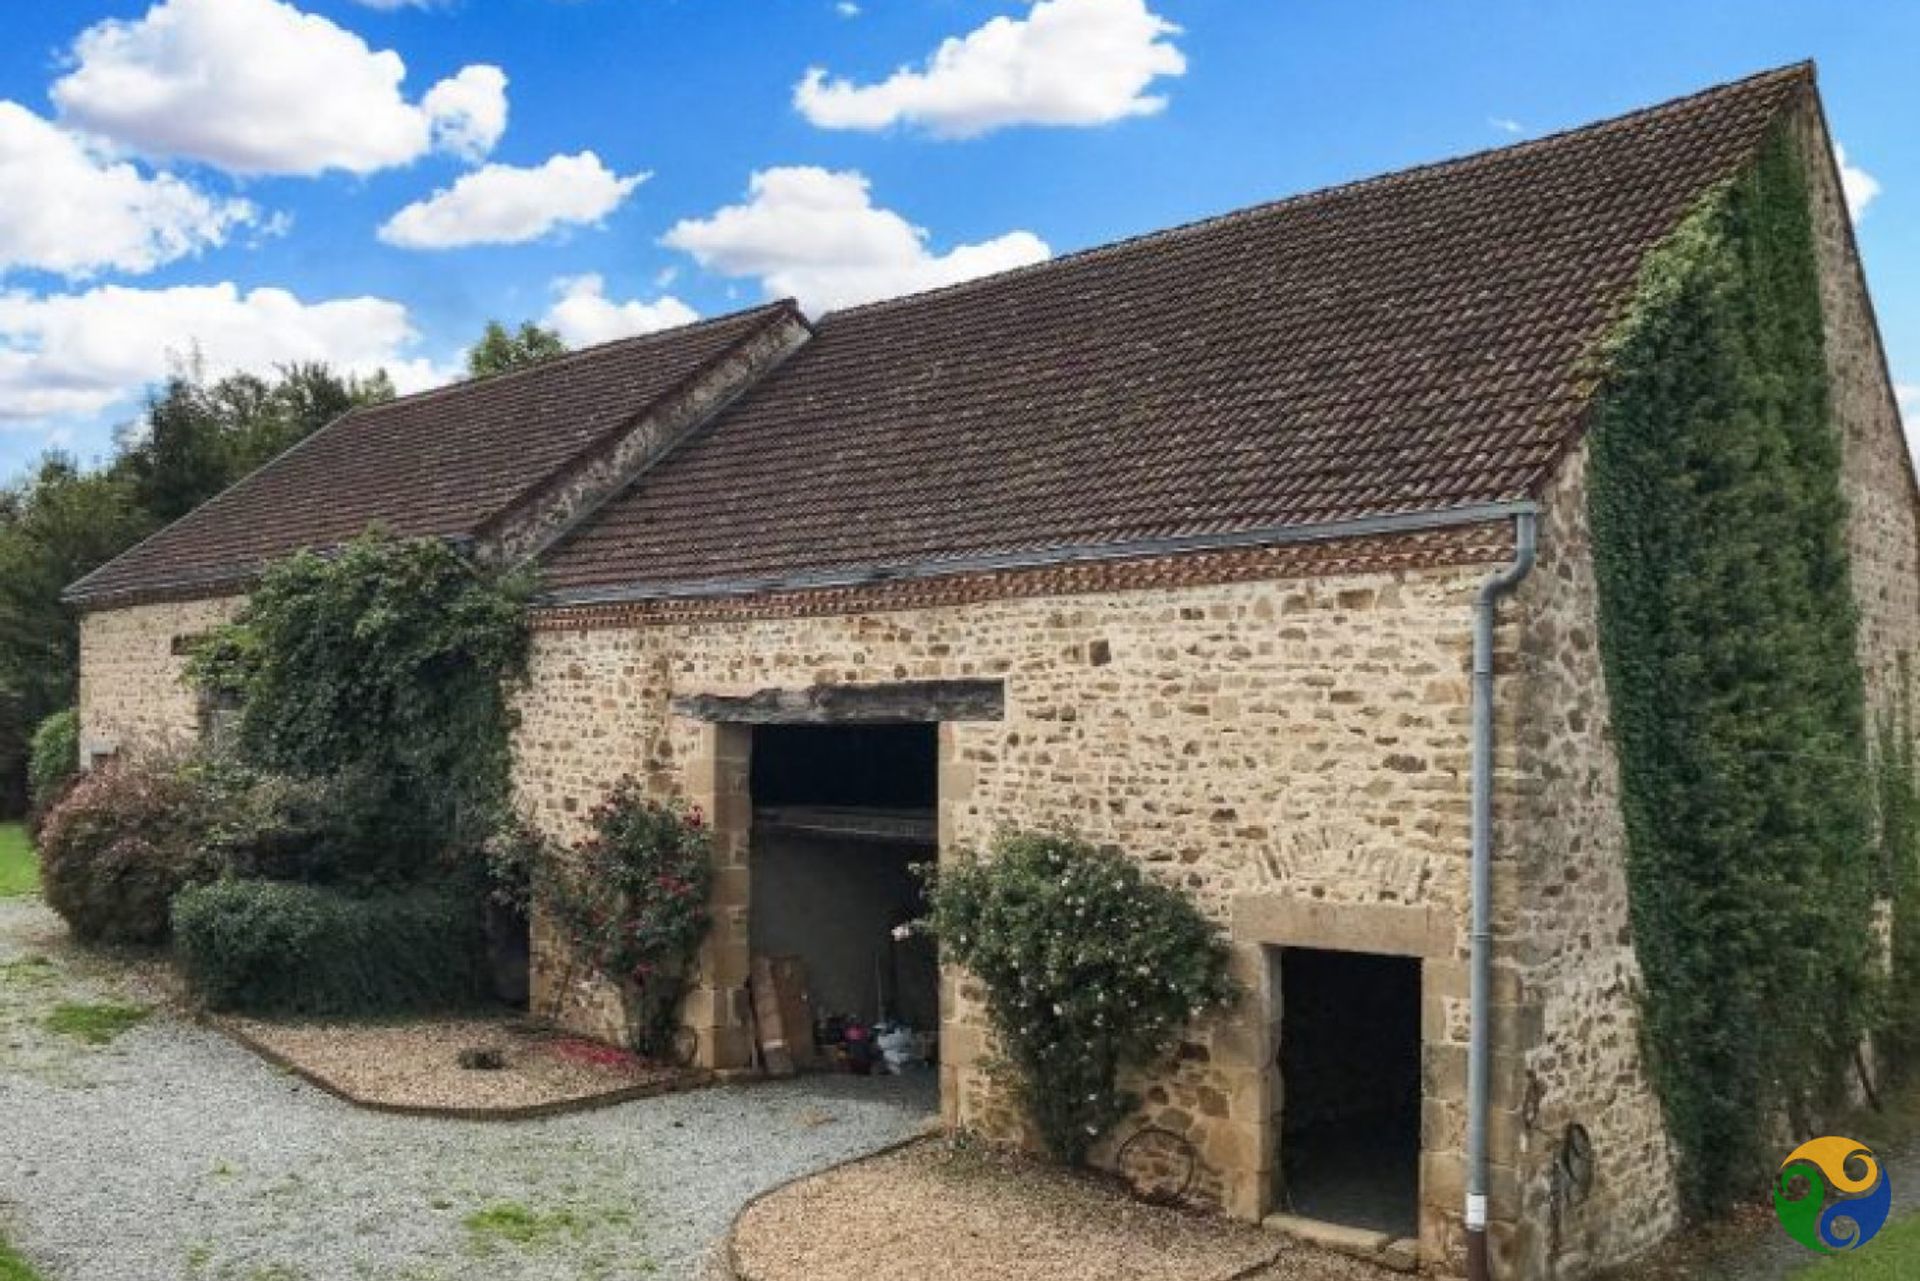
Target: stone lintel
[(1284, 920)]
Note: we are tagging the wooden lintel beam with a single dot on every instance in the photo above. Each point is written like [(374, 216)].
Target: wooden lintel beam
[(899, 703)]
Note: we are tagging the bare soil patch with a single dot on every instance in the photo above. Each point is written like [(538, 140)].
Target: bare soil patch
[(417, 1065), (941, 1211)]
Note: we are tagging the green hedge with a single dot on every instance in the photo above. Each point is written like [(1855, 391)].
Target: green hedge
[(272, 947)]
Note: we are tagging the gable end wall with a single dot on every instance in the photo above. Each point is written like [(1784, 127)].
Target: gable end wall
[(1561, 835)]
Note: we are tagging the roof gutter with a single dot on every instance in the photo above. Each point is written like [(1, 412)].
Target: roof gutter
[(1045, 558), (1480, 1024)]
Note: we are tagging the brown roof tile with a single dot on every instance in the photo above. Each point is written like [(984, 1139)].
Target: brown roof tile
[(443, 462), (1407, 344)]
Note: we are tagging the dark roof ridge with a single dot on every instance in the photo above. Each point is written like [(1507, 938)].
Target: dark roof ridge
[(1804, 71)]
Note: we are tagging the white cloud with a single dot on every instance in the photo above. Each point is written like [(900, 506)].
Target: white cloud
[(469, 111), (257, 86), (847, 9), (1860, 187), (1909, 396), (65, 209), (584, 315), (816, 235), (1507, 125), (1067, 62), (81, 353), (505, 205), (397, 4)]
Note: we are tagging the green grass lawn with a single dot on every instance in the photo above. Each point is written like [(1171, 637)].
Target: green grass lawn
[(1892, 1255), (19, 874), (13, 1267)]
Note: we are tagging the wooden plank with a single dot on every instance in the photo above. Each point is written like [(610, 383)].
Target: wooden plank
[(897, 703), (796, 1007), (774, 1050)]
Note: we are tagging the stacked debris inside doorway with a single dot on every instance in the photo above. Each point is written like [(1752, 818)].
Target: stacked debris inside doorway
[(843, 816)]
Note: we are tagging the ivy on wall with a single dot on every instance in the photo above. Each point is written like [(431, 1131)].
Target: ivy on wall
[(385, 666), (1728, 631), (1897, 781)]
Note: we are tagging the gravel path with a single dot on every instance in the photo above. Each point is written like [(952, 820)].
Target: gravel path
[(940, 1212), (172, 1153)]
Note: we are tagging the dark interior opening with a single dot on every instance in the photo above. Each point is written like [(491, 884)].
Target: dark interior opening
[(865, 766), (1350, 1088), (842, 814)]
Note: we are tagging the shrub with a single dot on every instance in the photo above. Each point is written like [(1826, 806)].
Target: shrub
[(633, 896), (514, 854), (55, 761), (270, 947), (117, 847), (1089, 965), (280, 828)]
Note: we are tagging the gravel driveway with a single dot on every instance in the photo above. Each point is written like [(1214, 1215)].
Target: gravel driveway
[(172, 1153)]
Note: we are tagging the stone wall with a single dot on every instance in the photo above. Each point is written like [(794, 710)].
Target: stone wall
[(1561, 846), (1883, 525), (132, 693), (1292, 753)]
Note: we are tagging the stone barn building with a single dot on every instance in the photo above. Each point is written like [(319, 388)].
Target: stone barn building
[(1181, 541)]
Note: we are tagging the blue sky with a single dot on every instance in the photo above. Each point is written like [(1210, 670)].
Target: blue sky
[(232, 173)]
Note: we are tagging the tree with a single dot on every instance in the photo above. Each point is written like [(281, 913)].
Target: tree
[(199, 437), (500, 351), (55, 527), (59, 523)]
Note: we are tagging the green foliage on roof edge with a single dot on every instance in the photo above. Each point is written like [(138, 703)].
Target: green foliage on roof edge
[(1728, 634)]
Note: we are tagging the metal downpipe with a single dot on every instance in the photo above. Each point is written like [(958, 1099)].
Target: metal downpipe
[(1480, 981)]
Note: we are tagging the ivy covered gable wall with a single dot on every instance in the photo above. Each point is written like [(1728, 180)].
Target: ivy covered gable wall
[(1746, 411)]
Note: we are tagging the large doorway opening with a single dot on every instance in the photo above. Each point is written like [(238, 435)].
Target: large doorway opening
[(842, 815), (1350, 1088)]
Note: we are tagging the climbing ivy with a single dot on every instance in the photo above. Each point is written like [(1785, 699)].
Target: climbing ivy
[(1728, 635), (1897, 781), (383, 665)]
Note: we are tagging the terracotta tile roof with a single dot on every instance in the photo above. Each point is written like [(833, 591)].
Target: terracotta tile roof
[(440, 463), (1407, 344)]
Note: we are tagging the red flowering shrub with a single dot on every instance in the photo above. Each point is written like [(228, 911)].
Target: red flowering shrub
[(121, 842), (633, 895)]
